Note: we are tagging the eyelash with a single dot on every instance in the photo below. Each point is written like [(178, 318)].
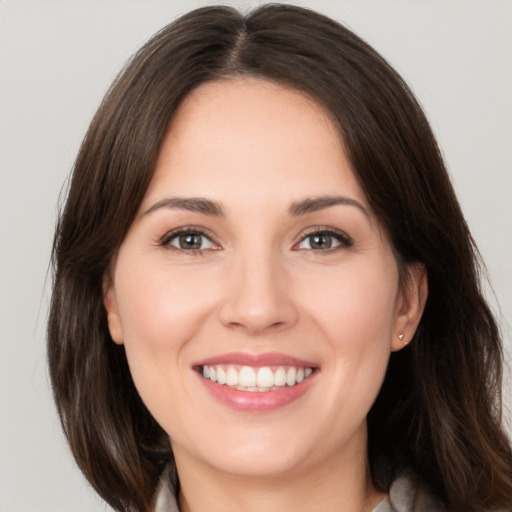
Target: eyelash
[(166, 240), (344, 240)]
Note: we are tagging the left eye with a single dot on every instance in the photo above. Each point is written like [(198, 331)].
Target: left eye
[(190, 241), (322, 241)]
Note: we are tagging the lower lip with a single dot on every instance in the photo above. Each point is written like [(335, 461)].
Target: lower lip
[(257, 401)]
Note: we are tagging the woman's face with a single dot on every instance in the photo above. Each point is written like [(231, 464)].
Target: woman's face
[(256, 295)]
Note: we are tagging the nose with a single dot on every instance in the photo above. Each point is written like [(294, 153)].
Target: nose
[(259, 297)]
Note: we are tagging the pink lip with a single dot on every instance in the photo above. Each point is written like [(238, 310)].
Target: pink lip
[(256, 360), (256, 401)]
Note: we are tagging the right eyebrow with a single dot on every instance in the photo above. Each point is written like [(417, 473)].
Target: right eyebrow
[(192, 204)]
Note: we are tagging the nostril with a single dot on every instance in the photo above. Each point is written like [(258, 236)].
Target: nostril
[(257, 300), (257, 325)]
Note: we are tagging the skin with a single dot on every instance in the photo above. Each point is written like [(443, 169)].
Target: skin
[(258, 286)]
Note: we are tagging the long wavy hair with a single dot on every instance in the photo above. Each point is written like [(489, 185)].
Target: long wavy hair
[(438, 412)]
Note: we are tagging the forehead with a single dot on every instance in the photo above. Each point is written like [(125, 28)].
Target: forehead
[(248, 135)]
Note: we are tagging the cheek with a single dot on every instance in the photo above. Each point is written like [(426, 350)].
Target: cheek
[(160, 306), (356, 317), (356, 306), (161, 310)]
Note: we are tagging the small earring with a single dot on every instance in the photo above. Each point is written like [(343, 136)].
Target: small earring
[(401, 337)]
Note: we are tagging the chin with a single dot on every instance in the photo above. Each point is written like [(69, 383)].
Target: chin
[(261, 465), (266, 454)]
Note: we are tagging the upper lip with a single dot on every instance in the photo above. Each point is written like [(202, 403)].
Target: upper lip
[(256, 360)]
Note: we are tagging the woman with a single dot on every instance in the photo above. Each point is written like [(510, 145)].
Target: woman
[(265, 292)]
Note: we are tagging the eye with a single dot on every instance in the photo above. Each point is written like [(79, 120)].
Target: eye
[(192, 240), (324, 240)]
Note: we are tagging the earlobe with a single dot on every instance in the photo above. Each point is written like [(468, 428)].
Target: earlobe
[(413, 299), (113, 318)]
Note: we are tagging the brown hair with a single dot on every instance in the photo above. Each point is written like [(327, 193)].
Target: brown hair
[(438, 411)]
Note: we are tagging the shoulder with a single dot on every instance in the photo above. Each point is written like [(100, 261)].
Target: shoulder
[(407, 494)]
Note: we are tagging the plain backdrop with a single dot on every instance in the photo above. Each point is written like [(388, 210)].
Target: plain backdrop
[(56, 60)]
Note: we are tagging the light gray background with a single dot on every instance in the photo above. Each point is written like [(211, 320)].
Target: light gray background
[(56, 61)]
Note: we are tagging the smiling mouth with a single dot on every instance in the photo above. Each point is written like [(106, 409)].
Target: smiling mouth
[(255, 379)]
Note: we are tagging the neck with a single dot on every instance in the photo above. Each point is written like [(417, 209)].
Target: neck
[(340, 483)]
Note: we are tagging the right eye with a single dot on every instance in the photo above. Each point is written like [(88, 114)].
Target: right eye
[(190, 240)]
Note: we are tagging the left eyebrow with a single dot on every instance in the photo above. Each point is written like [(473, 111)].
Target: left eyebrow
[(314, 204)]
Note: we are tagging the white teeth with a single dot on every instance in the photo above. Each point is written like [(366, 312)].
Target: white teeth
[(221, 375), (247, 378), (265, 377), (291, 375), (280, 377), (232, 377)]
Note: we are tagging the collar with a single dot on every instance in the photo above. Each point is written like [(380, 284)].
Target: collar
[(406, 495)]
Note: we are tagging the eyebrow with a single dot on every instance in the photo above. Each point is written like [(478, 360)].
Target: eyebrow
[(314, 204), (192, 204), (298, 208)]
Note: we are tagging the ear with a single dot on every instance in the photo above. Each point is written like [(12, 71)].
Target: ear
[(113, 318), (410, 305)]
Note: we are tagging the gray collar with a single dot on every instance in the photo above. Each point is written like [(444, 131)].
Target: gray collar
[(406, 495)]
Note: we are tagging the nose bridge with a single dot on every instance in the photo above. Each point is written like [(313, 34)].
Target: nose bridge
[(257, 295)]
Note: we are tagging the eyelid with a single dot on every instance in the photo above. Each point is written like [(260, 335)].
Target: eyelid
[(165, 240), (345, 241)]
